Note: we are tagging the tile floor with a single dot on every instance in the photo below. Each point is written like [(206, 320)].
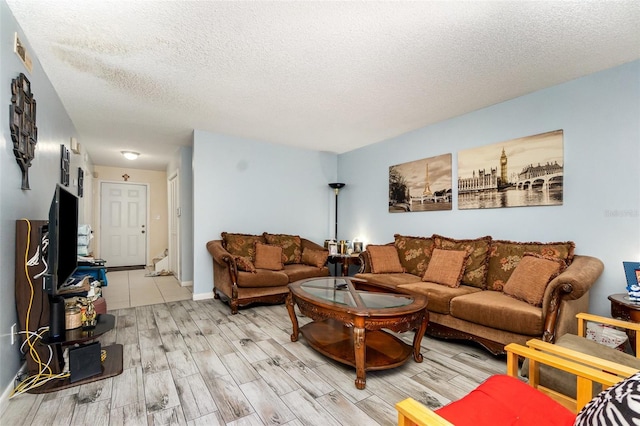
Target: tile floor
[(127, 289)]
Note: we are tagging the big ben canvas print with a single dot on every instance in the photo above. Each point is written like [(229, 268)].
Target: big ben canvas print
[(520, 172)]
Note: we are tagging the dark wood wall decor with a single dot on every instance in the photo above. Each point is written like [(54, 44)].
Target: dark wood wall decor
[(22, 122), (80, 182), (64, 165)]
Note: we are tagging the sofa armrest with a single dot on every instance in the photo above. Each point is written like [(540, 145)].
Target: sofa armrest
[(580, 275), (219, 253)]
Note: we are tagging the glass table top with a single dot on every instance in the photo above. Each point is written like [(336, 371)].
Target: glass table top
[(340, 290)]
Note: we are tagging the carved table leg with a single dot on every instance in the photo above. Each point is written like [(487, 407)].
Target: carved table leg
[(417, 337), (292, 315), (360, 348)]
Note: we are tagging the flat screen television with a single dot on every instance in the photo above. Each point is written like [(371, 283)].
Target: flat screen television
[(62, 252)]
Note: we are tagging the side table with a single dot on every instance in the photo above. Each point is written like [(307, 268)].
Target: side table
[(345, 260), (627, 310)]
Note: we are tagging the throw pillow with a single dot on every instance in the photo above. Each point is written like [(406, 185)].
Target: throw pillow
[(446, 267), (241, 244), (505, 255), (614, 406), (291, 246), (268, 257), (384, 259), (317, 258), (477, 264), (244, 264), (414, 253), (530, 278)]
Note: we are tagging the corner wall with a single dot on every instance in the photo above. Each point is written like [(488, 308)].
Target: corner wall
[(600, 116), (251, 187)]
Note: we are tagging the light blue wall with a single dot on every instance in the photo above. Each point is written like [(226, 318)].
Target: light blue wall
[(249, 186), (54, 128), (600, 116)]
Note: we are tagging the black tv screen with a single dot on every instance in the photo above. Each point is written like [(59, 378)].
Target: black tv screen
[(62, 256)]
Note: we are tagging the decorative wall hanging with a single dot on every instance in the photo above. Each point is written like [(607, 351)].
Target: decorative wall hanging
[(22, 122), (521, 172), (64, 165), (80, 182), (421, 185)]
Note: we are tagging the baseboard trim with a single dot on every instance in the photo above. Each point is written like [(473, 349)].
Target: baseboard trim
[(203, 296), (186, 283), (4, 398)]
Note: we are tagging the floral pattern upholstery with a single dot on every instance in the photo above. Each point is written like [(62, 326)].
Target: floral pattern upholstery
[(241, 244), (504, 256), (477, 263), (291, 246), (414, 253)]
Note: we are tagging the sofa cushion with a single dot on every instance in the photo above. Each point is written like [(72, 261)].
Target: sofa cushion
[(317, 258), (477, 264), (268, 257), (414, 253), (298, 271), (439, 296), (384, 259), (291, 246), (241, 244), (244, 263), (446, 267), (262, 278), (389, 280), (505, 255), (495, 309), (532, 275), (505, 400)]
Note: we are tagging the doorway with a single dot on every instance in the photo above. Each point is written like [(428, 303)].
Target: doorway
[(123, 224), (174, 224)]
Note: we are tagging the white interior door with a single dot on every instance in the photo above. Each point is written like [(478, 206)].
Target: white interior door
[(174, 225), (123, 224)]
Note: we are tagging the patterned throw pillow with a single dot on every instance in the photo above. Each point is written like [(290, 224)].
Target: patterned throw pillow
[(291, 246), (446, 267), (384, 259), (530, 278), (241, 244), (617, 405), (268, 257), (414, 253), (477, 264), (505, 255), (244, 264), (317, 258)]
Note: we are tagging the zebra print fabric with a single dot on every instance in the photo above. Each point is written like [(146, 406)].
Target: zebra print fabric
[(617, 406)]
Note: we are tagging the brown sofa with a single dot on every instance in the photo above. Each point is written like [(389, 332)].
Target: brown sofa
[(249, 268), (487, 305)]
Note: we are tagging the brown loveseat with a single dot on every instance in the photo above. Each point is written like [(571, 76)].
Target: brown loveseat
[(489, 291), (258, 268)]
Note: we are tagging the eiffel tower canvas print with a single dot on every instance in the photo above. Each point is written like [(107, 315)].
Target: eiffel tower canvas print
[(421, 185)]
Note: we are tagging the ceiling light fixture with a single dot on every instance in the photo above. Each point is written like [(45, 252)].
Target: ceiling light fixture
[(130, 155)]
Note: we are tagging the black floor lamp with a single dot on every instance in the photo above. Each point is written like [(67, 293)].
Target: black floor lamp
[(336, 188)]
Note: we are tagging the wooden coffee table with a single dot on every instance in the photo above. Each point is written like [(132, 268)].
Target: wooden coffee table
[(348, 317)]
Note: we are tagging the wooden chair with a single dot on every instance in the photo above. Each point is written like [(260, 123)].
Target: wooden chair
[(511, 392)]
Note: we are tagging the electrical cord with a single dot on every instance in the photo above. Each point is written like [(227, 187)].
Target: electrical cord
[(44, 374)]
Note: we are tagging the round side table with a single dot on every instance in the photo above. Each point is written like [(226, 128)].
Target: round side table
[(627, 310)]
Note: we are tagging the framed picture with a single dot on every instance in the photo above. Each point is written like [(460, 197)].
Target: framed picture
[(333, 249), (80, 182), (520, 172), (64, 165), (421, 185)]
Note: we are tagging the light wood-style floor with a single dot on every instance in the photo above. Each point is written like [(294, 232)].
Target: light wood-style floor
[(192, 362)]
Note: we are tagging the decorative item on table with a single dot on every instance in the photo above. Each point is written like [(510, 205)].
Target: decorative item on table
[(342, 247), (357, 246), (333, 248), (632, 273), (89, 317), (73, 317)]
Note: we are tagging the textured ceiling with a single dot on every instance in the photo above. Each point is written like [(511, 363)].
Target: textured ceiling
[(331, 76)]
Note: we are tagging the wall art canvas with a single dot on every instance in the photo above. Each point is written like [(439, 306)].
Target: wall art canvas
[(421, 185), (521, 172)]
